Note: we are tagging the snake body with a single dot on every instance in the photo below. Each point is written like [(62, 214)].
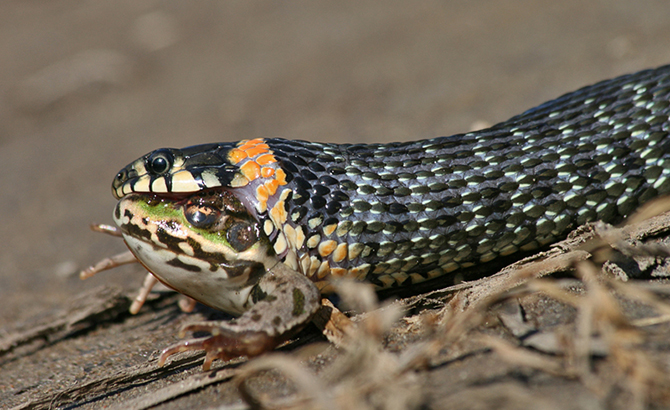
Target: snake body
[(400, 213), (258, 228)]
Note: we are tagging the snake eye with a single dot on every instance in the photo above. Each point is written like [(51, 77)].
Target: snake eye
[(202, 217), (242, 235), (159, 162)]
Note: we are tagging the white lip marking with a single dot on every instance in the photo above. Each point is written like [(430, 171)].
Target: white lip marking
[(183, 181), (142, 184), (159, 185), (210, 179)]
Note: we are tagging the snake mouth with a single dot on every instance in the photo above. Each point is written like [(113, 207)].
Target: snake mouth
[(176, 198), (234, 201), (210, 226)]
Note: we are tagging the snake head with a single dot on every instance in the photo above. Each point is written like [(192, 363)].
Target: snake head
[(171, 170)]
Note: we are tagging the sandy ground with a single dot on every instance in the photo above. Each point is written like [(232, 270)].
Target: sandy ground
[(86, 87)]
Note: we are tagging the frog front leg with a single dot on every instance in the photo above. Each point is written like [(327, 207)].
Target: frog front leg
[(281, 304)]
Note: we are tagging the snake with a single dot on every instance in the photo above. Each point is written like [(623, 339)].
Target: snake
[(260, 228)]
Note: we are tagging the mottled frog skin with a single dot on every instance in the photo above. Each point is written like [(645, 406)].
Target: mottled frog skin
[(206, 246)]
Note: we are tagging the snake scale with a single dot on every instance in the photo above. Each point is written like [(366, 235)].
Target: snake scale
[(251, 227)]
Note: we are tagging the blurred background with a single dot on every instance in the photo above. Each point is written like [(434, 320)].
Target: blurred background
[(88, 86)]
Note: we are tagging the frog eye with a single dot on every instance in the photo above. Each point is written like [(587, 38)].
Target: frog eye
[(242, 235), (159, 162), (200, 216)]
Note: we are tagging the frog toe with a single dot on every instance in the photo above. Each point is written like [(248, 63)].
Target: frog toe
[(223, 343)]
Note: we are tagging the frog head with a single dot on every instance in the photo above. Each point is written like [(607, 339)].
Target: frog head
[(204, 244)]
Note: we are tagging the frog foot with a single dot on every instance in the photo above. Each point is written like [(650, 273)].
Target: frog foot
[(280, 305), (224, 343)]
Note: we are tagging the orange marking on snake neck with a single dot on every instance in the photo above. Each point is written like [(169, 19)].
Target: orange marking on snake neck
[(262, 193), (266, 159), (278, 213), (255, 147), (280, 176), (251, 170), (257, 150), (244, 144), (272, 186), (235, 155)]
